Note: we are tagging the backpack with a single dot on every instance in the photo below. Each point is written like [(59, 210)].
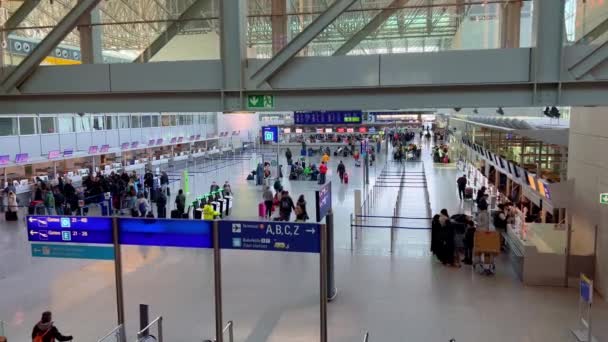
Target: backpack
[(285, 204), (40, 338)]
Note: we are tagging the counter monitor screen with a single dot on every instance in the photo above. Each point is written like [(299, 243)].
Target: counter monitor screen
[(547, 191), (21, 158), (298, 130), (173, 140), (517, 171), (286, 130), (124, 146), (502, 162), (350, 130), (181, 139), (159, 141), (134, 144), (198, 136), (93, 149), (490, 155), (341, 130), (4, 159), (54, 154), (151, 142), (531, 181), (319, 130), (191, 137)]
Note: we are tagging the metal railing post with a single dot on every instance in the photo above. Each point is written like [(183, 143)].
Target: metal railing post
[(351, 231), (160, 329)]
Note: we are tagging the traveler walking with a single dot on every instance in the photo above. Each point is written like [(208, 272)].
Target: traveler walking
[(45, 331), (267, 197), (301, 213), (462, 185), (341, 171), (286, 206)]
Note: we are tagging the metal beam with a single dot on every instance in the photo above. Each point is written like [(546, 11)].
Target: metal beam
[(29, 64), (370, 28), (547, 39), (22, 12), (173, 29), (585, 64), (301, 40)]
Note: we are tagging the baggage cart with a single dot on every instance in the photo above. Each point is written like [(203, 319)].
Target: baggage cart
[(485, 248)]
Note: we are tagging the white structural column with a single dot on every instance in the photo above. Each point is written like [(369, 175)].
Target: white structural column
[(193, 11), (91, 47), (300, 41), (370, 28), (279, 25), (510, 22), (31, 62), (547, 39), (233, 52)]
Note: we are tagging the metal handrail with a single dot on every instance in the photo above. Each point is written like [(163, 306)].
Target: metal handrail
[(230, 328), (115, 332), (366, 337), (158, 320)]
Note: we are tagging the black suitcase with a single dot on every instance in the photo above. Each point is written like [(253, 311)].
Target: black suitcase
[(10, 216), (174, 214)]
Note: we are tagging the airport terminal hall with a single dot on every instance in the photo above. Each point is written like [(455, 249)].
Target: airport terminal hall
[(304, 170)]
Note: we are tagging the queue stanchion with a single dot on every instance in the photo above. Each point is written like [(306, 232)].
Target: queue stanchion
[(351, 231)]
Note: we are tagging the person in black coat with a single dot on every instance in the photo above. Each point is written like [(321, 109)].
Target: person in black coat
[(47, 330), (435, 231), (341, 171)]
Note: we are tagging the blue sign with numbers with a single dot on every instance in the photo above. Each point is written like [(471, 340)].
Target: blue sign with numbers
[(41, 250), (321, 117), (166, 233), (323, 201), (270, 133), (96, 230), (270, 236)]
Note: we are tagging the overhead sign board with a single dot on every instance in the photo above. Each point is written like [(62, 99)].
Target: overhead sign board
[(323, 201), (40, 250), (166, 233), (270, 236), (270, 133), (328, 117), (94, 230), (260, 101)]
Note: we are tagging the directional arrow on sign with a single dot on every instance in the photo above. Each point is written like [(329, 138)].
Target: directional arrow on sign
[(311, 230), (33, 232), (253, 100)]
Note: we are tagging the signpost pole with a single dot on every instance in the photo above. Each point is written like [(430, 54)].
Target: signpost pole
[(331, 285), (217, 267), (323, 284), (120, 304)]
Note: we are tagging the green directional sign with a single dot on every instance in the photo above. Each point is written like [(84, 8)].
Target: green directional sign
[(260, 101), (72, 251), (604, 198)]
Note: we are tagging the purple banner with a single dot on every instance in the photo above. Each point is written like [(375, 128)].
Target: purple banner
[(4, 159)]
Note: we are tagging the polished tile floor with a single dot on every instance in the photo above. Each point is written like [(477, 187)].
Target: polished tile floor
[(399, 296)]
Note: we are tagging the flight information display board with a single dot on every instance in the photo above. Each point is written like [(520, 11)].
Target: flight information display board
[(328, 117), (166, 233)]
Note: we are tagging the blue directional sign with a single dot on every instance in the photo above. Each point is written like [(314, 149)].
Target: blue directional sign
[(97, 230), (41, 250), (270, 236), (323, 201), (270, 133), (166, 233)]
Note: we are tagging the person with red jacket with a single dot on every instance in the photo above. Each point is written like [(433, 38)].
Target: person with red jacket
[(322, 172)]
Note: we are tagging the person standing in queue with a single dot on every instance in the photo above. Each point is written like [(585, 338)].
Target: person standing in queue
[(285, 206), (462, 185), (322, 172), (161, 205), (341, 171), (180, 202), (45, 331), (267, 197), (301, 213)]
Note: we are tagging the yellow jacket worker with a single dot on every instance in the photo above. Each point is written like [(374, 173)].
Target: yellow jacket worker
[(209, 213), (325, 158)]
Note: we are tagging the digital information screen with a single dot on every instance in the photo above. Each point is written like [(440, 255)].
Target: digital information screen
[(328, 117), (323, 201)]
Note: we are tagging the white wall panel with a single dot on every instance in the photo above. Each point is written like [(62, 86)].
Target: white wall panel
[(49, 142), (98, 138), (83, 141), (124, 135), (30, 144), (67, 140), (10, 145)]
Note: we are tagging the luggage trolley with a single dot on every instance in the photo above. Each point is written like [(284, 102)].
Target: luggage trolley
[(486, 247)]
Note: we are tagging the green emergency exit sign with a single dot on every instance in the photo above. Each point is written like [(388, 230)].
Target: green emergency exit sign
[(604, 198), (260, 101)]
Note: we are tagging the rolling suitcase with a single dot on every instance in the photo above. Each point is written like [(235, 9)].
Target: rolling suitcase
[(174, 214), (261, 209), (10, 216), (345, 178)]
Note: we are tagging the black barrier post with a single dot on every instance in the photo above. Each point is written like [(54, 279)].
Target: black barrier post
[(144, 318), (217, 267)]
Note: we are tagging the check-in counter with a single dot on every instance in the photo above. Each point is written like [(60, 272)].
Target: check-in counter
[(538, 253)]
